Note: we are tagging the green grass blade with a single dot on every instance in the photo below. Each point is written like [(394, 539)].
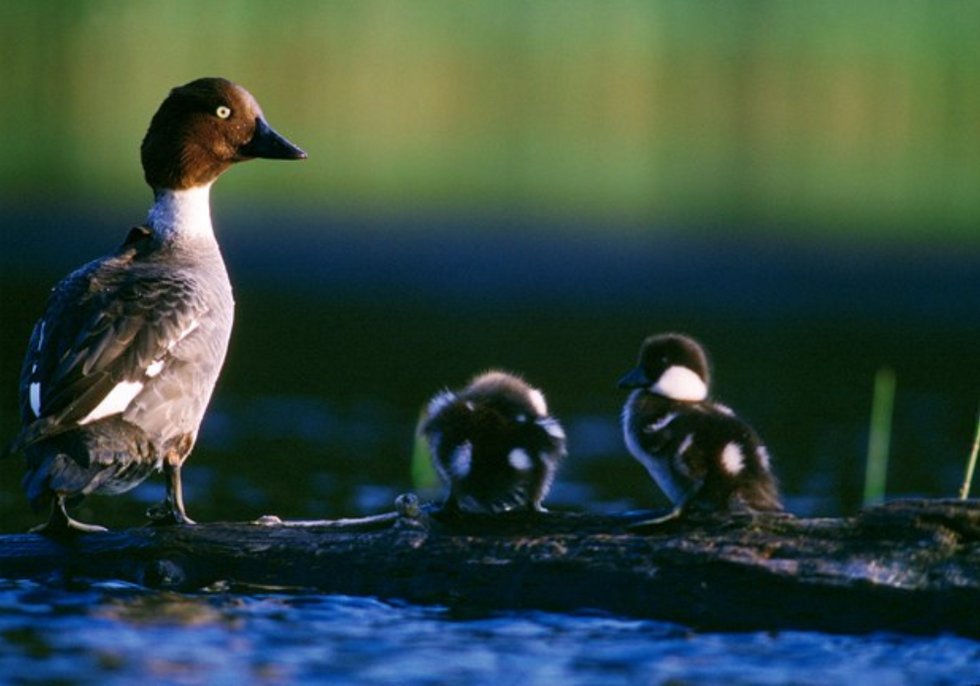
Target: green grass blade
[(879, 436), (971, 464)]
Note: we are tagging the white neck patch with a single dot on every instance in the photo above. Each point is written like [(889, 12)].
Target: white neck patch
[(680, 383), (182, 214)]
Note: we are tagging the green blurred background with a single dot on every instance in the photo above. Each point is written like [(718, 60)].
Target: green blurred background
[(535, 185), (834, 117)]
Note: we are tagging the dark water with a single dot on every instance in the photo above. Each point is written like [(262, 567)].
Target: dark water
[(344, 329), (116, 634)]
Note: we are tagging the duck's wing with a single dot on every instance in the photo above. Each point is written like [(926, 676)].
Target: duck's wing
[(108, 329)]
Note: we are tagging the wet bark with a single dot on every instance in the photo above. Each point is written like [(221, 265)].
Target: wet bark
[(910, 566)]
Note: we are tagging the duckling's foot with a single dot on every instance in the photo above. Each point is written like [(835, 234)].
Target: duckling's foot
[(408, 505), (410, 514), (61, 525)]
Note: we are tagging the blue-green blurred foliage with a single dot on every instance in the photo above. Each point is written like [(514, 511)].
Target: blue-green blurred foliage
[(832, 117)]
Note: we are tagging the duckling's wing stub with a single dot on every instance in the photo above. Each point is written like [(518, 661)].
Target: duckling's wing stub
[(105, 333)]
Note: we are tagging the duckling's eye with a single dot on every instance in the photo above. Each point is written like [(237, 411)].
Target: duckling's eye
[(223, 112)]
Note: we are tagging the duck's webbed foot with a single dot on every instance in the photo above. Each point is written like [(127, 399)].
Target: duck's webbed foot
[(61, 525), (167, 514)]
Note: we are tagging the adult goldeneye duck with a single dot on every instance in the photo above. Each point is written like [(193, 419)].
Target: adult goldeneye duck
[(699, 452), (494, 444), (122, 363)]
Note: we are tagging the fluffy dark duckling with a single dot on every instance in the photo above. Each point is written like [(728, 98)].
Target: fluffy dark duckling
[(494, 444), (699, 452)]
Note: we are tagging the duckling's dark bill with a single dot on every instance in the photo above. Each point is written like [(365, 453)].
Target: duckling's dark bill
[(635, 378)]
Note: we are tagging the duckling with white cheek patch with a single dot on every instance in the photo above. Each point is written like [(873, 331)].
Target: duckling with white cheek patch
[(699, 452), (494, 444)]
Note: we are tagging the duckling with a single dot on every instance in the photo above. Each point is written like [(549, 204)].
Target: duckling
[(121, 366), (698, 451), (494, 444)]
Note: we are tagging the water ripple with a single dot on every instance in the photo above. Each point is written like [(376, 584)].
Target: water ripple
[(112, 633)]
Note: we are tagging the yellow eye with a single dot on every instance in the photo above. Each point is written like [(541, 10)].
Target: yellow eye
[(223, 112)]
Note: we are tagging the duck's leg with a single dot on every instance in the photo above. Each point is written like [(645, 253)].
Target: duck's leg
[(61, 525), (176, 495), (171, 510)]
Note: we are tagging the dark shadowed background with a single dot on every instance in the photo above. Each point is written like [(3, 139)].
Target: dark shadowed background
[(535, 186)]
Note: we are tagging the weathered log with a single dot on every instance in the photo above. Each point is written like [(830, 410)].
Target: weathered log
[(911, 566)]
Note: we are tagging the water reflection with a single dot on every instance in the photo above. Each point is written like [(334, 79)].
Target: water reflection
[(115, 634)]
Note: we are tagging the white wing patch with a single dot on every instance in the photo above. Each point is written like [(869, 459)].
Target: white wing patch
[(35, 389), (183, 334), (681, 383), (461, 461), (520, 460), (116, 401), (733, 459), (764, 457), (660, 424), (119, 398)]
